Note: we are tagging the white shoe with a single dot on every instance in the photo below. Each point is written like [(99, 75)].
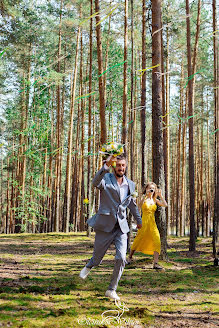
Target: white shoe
[(84, 272), (112, 294)]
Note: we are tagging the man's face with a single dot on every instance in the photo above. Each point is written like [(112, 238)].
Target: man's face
[(120, 168)]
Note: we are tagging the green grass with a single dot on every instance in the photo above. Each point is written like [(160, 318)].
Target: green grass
[(40, 286)]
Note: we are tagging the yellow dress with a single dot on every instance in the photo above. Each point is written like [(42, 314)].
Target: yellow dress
[(147, 239)]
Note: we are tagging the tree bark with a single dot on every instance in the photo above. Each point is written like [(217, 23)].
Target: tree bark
[(157, 135), (216, 134), (101, 80), (191, 147), (58, 130), (124, 112), (90, 119), (70, 141), (143, 98)]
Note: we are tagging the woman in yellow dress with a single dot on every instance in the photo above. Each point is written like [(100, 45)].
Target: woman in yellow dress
[(147, 239)]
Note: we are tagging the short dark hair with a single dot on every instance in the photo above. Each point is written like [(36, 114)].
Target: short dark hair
[(121, 157)]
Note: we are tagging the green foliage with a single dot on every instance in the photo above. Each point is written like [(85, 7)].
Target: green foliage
[(29, 78)]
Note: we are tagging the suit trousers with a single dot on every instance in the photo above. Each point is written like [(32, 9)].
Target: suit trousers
[(103, 240)]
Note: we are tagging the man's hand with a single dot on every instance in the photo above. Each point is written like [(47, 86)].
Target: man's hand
[(139, 226), (110, 160)]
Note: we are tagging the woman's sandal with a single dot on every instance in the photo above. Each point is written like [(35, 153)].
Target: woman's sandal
[(158, 267), (129, 261)]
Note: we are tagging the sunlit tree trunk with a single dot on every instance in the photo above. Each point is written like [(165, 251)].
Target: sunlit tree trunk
[(183, 177), (7, 217), (90, 118), (166, 136), (100, 71), (124, 112), (157, 135), (70, 141), (208, 210), (216, 134), (82, 109), (2, 198), (191, 147), (58, 130), (143, 98), (50, 176), (107, 51)]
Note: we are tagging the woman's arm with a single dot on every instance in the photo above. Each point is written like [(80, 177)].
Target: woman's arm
[(162, 201), (141, 201)]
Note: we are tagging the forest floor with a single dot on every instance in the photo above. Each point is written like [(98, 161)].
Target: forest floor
[(40, 287)]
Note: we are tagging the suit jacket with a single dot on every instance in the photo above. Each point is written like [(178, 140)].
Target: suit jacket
[(111, 208)]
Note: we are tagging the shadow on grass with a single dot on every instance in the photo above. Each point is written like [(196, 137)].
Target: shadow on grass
[(25, 285), (30, 249), (12, 312), (43, 236), (198, 279), (51, 275), (190, 316)]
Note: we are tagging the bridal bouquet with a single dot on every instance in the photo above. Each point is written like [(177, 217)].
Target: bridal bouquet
[(112, 148)]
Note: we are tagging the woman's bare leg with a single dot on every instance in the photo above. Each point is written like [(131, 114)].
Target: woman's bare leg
[(156, 256), (131, 253)]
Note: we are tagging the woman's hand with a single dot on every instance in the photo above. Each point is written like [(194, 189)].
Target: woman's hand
[(159, 193), (162, 201)]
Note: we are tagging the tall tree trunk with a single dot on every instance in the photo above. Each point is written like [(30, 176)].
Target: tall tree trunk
[(7, 217), (76, 182), (50, 177), (100, 71), (70, 134), (2, 199), (62, 143), (143, 97), (196, 40), (124, 112), (216, 135), (197, 181), (12, 216), (89, 119), (202, 171), (177, 205), (82, 220), (173, 186), (106, 54), (157, 135), (166, 136), (58, 130), (132, 124), (21, 169), (208, 214), (191, 147), (183, 179)]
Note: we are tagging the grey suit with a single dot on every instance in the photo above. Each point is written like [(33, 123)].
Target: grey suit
[(110, 223)]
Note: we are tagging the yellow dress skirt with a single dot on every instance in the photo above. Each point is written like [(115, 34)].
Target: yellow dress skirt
[(147, 239)]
